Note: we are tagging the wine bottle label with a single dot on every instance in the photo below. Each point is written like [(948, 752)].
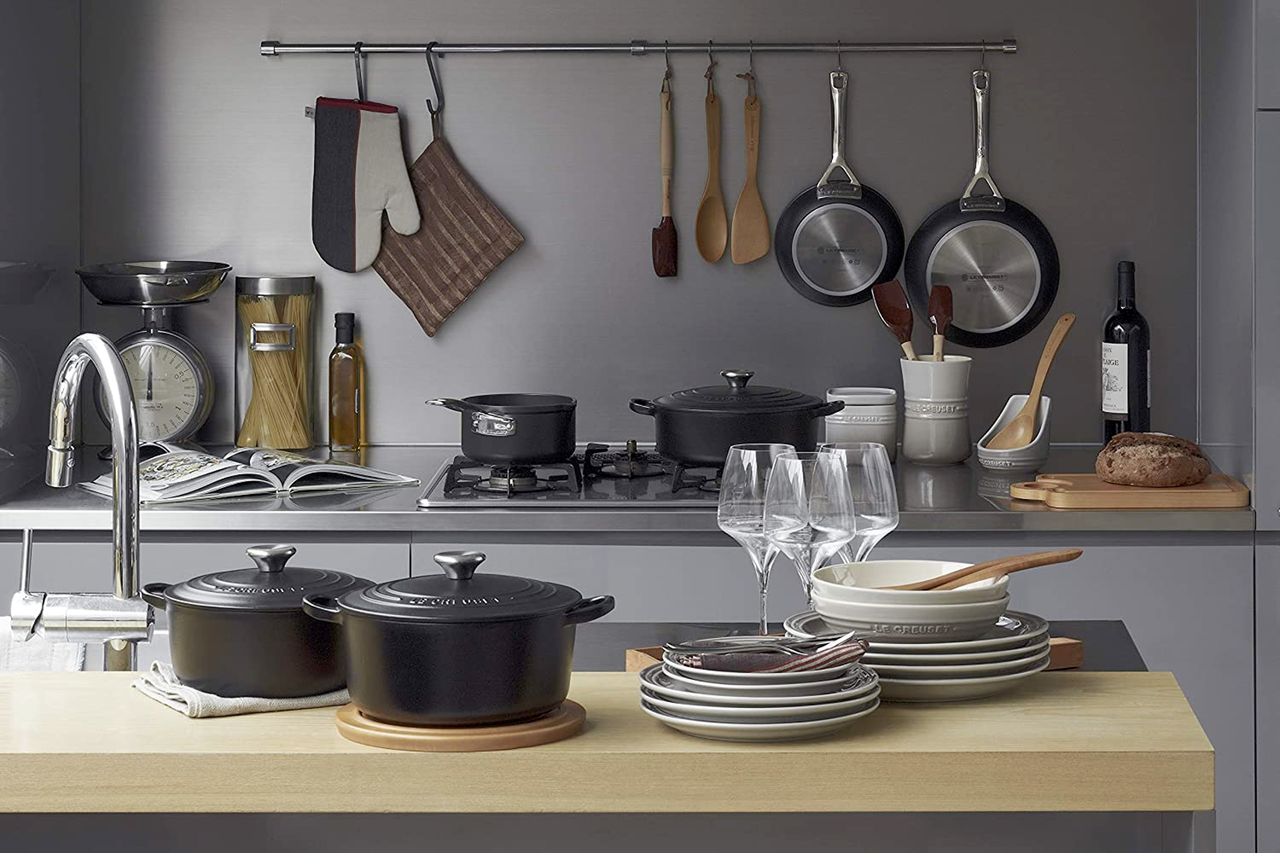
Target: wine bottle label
[(1115, 378)]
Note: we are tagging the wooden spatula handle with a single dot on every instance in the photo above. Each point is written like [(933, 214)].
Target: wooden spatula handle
[(1018, 564), (666, 153), (751, 115)]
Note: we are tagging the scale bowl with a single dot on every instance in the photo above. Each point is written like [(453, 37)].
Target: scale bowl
[(152, 283)]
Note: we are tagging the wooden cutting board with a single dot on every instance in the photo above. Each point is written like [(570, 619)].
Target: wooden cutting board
[(1087, 491)]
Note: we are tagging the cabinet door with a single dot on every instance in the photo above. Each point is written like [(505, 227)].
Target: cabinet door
[(1266, 488), (1267, 34)]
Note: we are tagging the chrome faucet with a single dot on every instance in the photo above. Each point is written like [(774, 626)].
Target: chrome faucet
[(121, 619)]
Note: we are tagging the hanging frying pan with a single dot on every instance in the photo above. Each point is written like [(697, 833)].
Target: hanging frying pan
[(838, 238), (997, 257)]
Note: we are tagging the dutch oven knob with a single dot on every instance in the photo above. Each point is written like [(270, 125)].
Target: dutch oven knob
[(271, 558), (459, 565), (737, 379)]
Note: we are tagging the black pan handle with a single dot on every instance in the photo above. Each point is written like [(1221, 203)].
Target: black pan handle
[(322, 607), (153, 594), (589, 609), (643, 407), (828, 408)]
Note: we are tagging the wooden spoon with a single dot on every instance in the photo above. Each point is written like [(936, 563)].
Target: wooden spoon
[(891, 304), (992, 569), (1021, 431), (712, 225), (750, 224), (940, 315)]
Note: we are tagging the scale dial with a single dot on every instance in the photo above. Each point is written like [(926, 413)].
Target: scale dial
[(172, 384)]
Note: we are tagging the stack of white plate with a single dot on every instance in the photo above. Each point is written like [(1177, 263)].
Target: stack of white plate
[(757, 706), (1015, 649)]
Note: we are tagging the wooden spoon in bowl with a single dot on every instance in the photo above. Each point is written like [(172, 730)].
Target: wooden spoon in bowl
[(1021, 431), (992, 569), (895, 313)]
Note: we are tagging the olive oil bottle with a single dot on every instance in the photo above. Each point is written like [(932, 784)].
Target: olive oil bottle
[(346, 386)]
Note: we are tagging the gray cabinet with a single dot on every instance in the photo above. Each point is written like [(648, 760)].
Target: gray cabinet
[(1267, 639), (1267, 68), (1266, 489)]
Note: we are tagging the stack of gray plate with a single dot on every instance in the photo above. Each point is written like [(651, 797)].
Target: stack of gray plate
[(1012, 651), (757, 706)]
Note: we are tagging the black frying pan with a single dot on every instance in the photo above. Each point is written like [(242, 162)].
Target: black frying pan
[(838, 238), (996, 256)]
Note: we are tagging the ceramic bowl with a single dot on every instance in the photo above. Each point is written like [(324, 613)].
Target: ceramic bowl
[(908, 623), (859, 582), (1029, 458)]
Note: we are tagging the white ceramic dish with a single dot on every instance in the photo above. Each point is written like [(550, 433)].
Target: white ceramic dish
[(757, 732), (711, 688), (656, 680), (955, 689), (962, 670), (1028, 458), (1012, 630), (860, 582), (776, 714), (953, 658), (719, 677), (906, 623)]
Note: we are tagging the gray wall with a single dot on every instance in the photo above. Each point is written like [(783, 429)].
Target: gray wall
[(195, 146)]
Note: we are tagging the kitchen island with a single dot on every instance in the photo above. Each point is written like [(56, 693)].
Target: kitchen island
[(1079, 742)]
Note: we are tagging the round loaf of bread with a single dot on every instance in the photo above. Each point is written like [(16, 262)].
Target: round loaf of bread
[(1151, 459)]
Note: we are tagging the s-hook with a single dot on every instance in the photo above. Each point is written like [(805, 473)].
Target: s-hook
[(750, 74), (839, 58), (358, 53), (434, 109), (666, 57), (711, 64)]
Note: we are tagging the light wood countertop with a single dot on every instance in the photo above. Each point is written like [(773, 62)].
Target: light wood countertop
[(1069, 741)]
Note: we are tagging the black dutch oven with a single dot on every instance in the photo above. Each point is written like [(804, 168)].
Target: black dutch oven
[(515, 429), (698, 426), (458, 648), (243, 632)]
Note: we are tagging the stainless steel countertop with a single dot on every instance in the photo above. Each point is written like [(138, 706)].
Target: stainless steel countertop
[(960, 498)]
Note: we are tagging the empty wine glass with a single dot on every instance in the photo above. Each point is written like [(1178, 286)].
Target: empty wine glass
[(875, 495), (741, 510), (808, 510)]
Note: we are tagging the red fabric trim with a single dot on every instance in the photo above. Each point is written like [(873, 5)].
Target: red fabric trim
[(369, 106), (355, 240)]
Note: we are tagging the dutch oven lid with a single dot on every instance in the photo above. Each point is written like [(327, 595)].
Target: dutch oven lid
[(738, 397), (461, 595), (268, 587)]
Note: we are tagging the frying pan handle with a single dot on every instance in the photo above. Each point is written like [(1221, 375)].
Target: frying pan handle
[(839, 189), (982, 167)]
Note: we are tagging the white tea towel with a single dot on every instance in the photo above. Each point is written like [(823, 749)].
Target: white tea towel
[(162, 685), (37, 654)]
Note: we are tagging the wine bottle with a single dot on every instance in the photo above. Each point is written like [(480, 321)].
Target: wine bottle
[(346, 381), (1126, 362)]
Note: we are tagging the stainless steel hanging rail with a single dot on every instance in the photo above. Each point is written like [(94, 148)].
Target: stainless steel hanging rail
[(643, 48)]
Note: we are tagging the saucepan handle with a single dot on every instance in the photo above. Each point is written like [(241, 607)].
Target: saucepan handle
[(828, 408), (643, 407), (153, 594), (322, 607), (589, 609)]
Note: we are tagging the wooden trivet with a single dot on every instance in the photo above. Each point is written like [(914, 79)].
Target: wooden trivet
[(564, 722)]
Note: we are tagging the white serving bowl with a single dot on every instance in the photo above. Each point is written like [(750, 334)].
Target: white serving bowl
[(860, 581), (908, 623)]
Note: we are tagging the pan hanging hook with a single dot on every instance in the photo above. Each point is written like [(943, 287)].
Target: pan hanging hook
[(839, 57), (436, 108), (711, 64), (750, 74), (666, 56), (358, 53), (982, 53)]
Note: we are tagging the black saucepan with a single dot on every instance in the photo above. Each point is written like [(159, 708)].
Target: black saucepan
[(838, 238), (516, 429), (698, 426), (243, 632), (457, 648), (996, 256)]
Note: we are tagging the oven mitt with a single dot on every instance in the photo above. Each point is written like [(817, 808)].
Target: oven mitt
[(359, 172)]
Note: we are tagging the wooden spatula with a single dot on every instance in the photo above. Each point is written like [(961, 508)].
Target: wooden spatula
[(939, 316), (993, 569), (891, 304), (664, 236), (750, 224), (712, 225), (1020, 431)]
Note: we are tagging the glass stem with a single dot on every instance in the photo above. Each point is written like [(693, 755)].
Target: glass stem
[(764, 605), (804, 568)]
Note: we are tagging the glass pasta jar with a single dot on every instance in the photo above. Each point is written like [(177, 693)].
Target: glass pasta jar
[(275, 381)]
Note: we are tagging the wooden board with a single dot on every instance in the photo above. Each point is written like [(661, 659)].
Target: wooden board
[(1087, 491), (1064, 653), (1061, 742), (565, 721)]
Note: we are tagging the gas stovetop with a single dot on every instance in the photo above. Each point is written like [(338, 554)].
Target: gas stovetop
[(596, 475)]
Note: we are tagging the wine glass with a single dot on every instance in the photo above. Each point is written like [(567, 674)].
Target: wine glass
[(808, 510), (875, 495), (741, 509)]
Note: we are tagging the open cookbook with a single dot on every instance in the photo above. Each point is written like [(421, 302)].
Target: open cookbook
[(170, 473)]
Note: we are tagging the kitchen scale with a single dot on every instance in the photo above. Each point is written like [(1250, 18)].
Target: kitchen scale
[(173, 387)]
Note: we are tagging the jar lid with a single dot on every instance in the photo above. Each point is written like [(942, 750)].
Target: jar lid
[(737, 397), (269, 587), (274, 285), (460, 595)]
